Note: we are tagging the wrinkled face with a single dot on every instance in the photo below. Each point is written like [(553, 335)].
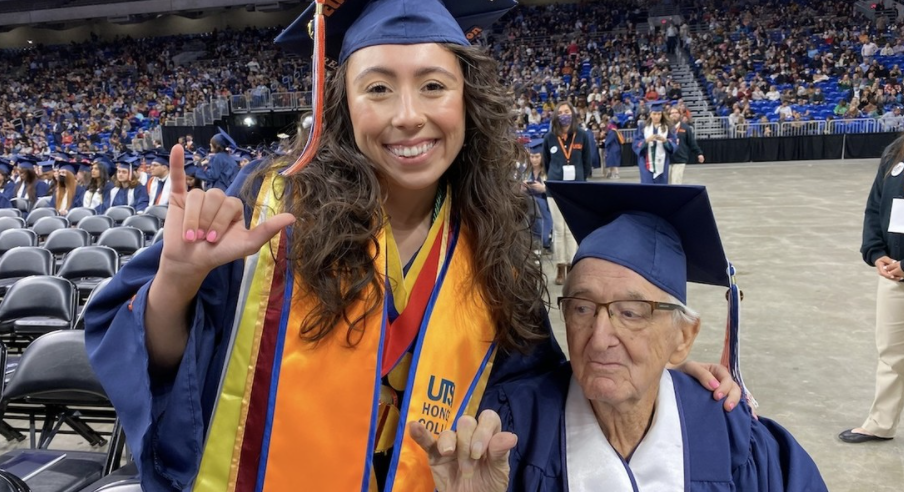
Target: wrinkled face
[(408, 111), (618, 365)]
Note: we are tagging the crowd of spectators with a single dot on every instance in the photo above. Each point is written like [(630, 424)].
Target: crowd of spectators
[(103, 96), (590, 55), (770, 63), (774, 61)]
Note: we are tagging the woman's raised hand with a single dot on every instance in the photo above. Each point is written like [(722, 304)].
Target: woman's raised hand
[(472, 458), (204, 230)]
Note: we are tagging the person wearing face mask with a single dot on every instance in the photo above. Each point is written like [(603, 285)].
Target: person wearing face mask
[(68, 193), (567, 156)]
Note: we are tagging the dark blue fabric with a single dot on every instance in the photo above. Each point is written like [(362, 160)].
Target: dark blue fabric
[(8, 190), (613, 149), (725, 451), (594, 150), (220, 172)]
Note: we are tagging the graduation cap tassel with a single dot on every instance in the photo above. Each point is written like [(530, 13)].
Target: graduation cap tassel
[(319, 77), (731, 352)]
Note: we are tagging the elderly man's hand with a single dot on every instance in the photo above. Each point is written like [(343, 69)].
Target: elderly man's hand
[(717, 378), (474, 457)]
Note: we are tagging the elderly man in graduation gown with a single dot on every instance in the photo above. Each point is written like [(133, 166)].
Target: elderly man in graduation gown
[(616, 419)]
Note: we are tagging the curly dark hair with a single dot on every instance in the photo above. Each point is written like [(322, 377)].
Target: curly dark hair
[(337, 201)]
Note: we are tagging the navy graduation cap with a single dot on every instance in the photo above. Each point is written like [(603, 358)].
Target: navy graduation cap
[(190, 169), (666, 234), (657, 106), (47, 166), (535, 146), (67, 166), (161, 157), (355, 24), (224, 140), (26, 162), (335, 29), (106, 162)]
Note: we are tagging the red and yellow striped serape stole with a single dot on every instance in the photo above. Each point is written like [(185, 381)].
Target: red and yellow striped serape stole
[(292, 415)]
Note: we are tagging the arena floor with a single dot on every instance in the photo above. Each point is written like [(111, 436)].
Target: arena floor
[(808, 353)]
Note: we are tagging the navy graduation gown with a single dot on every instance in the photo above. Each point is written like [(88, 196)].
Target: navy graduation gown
[(76, 201), (220, 173), (140, 199), (8, 189), (41, 190), (724, 451), (165, 420)]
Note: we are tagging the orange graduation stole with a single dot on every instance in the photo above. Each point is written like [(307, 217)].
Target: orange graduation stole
[(293, 415)]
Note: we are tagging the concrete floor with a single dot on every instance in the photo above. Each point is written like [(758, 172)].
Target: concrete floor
[(808, 352)]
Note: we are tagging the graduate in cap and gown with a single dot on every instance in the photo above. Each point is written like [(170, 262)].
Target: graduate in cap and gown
[(265, 355), (221, 168), (159, 184), (127, 189), (7, 184), (68, 193), (99, 183), (535, 186), (616, 419), (29, 186), (654, 142)]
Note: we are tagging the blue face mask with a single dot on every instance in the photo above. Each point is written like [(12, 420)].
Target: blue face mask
[(565, 119)]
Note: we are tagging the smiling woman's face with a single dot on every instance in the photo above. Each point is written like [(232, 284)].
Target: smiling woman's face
[(408, 111)]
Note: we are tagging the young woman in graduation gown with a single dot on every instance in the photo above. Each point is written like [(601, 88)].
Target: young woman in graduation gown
[(98, 186), (381, 279), (68, 193), (654, 142)]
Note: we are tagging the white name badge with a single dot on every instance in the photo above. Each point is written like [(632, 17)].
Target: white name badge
[(897, 169), (568, 173), (896, 223)]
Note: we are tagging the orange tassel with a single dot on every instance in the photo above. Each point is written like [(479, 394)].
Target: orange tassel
[(319, 75)]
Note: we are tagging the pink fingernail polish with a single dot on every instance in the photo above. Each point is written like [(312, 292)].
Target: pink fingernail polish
[(212, 236), (190, 235), (731, 406), (714, 384), (200, 234), (719, 395)]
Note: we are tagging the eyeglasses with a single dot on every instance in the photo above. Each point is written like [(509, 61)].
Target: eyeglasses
[(630, 315)]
